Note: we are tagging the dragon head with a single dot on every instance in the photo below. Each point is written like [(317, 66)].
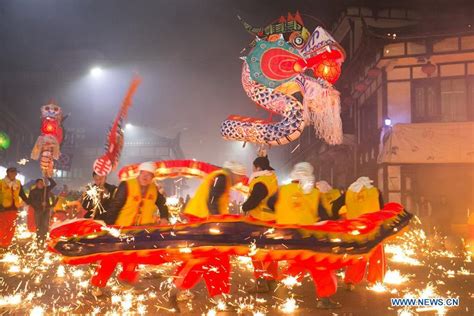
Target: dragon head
[(285, 49)]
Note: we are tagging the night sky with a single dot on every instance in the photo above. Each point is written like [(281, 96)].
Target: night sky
[(187, 53)]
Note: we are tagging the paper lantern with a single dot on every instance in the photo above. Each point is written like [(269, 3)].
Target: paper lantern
[(48, 127), (328, 69), (429, 69)]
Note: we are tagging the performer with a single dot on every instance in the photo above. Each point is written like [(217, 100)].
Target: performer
[(297, 203), (328, 196), (42, 200), (97, 207), (263, 185), (362, 198), (212, 196), (11, 191), (135, 203)]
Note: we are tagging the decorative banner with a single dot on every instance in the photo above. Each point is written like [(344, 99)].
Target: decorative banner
[(274, 71), (47, 146), (115, 139)]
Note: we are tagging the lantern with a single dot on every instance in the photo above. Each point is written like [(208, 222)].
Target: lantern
[(48, 127), (4, 141), (328, 69), (429, 69)]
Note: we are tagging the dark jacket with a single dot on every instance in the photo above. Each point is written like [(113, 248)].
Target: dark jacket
[(115, 206), (37, 196), (259, 192), (106, 196)]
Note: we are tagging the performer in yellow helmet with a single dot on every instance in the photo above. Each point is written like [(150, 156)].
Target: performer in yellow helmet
[(263, 185), (135, 203), (297, 203), (362, 198)]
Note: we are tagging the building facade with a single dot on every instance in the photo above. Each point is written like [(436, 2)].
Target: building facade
[(408, 91)]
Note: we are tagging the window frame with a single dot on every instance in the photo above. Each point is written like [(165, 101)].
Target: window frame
[(436, 84)]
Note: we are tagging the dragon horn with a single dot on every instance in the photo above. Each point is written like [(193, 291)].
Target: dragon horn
[(249, 28)]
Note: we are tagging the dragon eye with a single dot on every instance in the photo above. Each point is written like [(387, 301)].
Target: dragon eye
[(298, 41)]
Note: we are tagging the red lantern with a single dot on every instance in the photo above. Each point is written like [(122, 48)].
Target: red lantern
[(49, 127), (328, 69), (428, 68)]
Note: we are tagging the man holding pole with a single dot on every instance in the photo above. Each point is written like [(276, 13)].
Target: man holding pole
[(41, 200)]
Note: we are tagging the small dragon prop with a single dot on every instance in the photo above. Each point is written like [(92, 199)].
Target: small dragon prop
[(47, 146), (115, 139)]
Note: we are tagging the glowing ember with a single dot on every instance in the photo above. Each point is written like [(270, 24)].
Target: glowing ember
[(10, 300), (290, 281), (214, 231), (377, 287), (78, 274), (221, 305), (61, 272), (14, 269), (288, 306), (185, 250), (394, 277), (37, 311), (211, 312), (405, 312), (10, 258)]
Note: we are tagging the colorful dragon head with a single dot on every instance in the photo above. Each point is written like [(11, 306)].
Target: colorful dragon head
[(285, 59), (287, 48)]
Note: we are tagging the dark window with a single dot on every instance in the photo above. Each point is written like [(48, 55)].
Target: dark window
[(442, 100), (425, 101)]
